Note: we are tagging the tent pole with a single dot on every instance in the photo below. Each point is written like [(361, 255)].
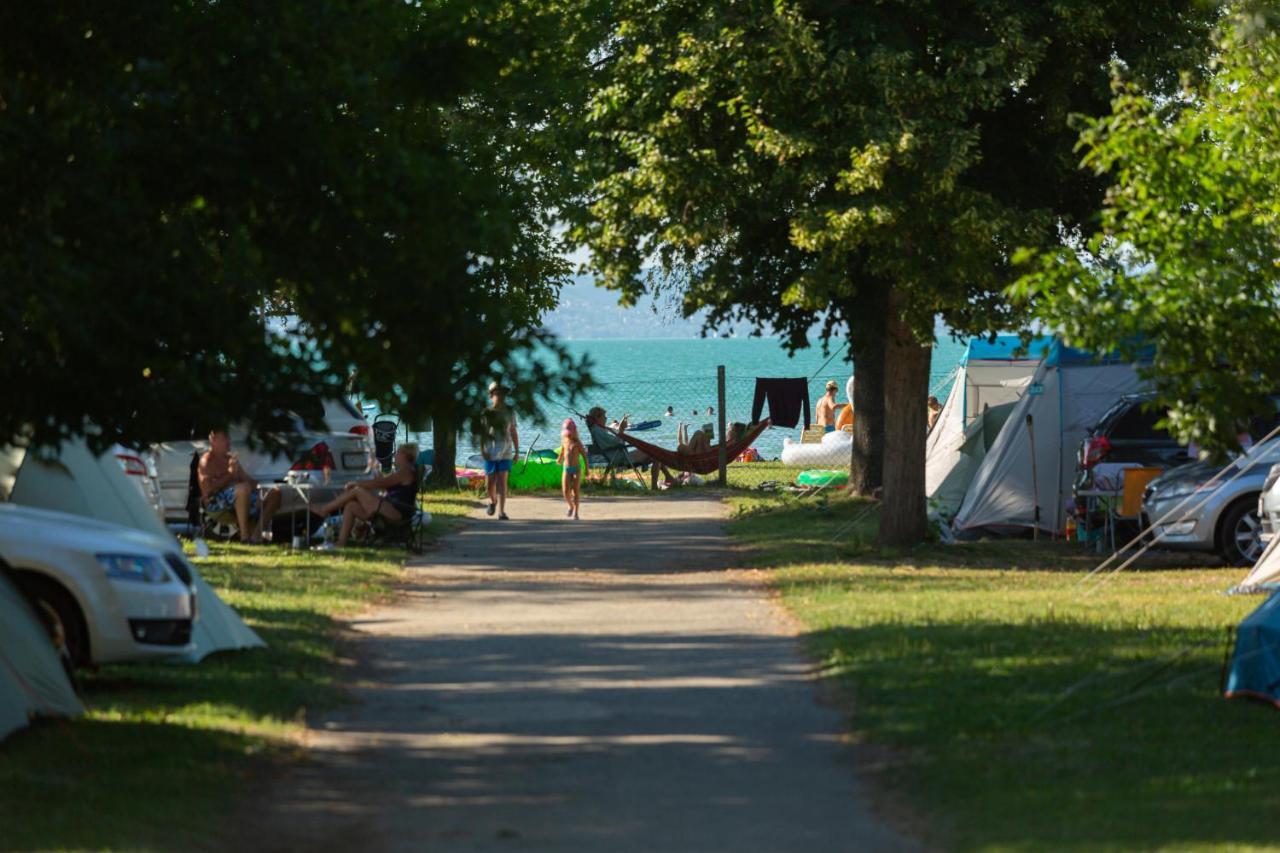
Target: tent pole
[(1035, 480)]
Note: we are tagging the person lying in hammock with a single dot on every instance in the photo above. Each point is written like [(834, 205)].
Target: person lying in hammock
[(700, 440)]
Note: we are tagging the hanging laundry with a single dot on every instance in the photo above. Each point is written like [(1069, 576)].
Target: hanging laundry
[(786, 398)]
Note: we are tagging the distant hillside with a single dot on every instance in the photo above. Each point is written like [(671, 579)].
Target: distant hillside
[(587, 311)]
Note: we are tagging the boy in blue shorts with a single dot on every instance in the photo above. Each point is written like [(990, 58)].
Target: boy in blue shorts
[(499, 444)]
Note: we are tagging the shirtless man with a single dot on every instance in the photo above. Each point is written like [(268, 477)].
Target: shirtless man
[(224, 484), (826, 415)]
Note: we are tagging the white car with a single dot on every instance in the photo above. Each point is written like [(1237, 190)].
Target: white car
[(113, 593), (140, 466), (348, 443)]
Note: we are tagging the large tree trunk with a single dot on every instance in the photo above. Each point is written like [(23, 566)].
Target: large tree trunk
[(444, 444), (866, 346), (906, 390)]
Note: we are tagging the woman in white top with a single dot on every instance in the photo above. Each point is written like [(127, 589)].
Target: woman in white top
[(499, 444)]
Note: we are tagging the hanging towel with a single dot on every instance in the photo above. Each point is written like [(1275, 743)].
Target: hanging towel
[(787, 398)]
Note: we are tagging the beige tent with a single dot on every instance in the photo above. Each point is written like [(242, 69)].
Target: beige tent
[(32, 680), (77, 482)]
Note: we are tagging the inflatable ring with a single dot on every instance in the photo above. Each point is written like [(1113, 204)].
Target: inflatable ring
[(845, 418)]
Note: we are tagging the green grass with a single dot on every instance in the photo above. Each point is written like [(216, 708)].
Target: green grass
[(1019, 713), (166, 750)]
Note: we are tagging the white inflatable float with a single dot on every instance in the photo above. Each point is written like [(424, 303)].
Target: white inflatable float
[(832, 452)]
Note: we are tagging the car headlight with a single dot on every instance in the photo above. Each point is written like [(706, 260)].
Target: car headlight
[(134, 567), (1177, 490)]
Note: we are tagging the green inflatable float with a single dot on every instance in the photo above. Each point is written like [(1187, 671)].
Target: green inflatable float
[(539, 471), (819, 477)]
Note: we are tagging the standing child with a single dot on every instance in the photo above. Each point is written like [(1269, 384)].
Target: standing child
[(571, 453)]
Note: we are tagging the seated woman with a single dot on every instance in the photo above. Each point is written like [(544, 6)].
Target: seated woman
[(361, 500)]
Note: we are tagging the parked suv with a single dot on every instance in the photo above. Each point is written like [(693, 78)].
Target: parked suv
[(1127, 436), (350, 450)]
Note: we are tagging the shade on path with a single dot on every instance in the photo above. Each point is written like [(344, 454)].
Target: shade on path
[(604, 684)]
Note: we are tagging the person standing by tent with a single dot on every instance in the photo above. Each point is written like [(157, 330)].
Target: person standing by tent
[(935, 411), (826, 410), (499, 443)]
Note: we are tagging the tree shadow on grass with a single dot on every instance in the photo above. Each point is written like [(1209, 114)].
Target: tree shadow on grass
[(97, 784), (1055, 733)]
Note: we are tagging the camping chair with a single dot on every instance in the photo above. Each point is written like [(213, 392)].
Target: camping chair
[(813, 435), (202, 523), (610, 450), (384, 441), (409, 532)]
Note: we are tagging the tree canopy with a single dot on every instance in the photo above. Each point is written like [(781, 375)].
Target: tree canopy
[(774, 158), (1185, 266), (170, 169)]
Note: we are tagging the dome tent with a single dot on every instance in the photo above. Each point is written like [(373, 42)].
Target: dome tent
[(1070, 390), (32, 680), (1255, 662), (991, 377)]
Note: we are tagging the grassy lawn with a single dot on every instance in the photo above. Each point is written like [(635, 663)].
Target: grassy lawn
[(166, 748), (1021, 714)]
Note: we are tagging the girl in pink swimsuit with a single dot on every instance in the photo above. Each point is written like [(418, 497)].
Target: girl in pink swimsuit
[(571, 454)]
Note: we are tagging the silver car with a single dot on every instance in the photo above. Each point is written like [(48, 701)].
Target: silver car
[(1269, 505), (1216, 517)]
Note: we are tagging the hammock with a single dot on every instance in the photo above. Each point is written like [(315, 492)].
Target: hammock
[(706, 462)]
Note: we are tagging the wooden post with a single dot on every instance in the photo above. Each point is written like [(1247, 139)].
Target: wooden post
[(724, 462)]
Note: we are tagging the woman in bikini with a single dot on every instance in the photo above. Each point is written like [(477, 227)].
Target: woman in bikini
[(571, 455)]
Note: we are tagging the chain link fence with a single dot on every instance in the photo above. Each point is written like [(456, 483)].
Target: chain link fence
[(667, 411)]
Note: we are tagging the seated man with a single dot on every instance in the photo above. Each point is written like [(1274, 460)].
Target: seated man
[(224, 485), (398, 501)]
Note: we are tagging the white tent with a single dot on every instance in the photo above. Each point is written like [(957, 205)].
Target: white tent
[(80, 483), (991, 377), (32, 680), (1265, 574), (1028, 471)]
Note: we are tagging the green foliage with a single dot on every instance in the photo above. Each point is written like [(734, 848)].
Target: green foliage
[(174, 171), (776, 157), (1184, 263)]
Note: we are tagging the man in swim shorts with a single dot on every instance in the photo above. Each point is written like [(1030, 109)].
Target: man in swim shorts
[(225, 485), (826, 411), (499, 444)]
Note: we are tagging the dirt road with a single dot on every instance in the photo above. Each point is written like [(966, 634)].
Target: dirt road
[(604, 685)]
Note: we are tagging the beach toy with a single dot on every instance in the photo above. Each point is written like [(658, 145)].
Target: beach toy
[(832, 452), (539, 472), (644, 425), (818, 477), (845, 416)]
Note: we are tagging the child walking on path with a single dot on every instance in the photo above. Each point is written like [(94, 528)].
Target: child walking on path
[(571, 454)]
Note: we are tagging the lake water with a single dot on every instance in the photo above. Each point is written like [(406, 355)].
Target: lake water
[(643, 377)]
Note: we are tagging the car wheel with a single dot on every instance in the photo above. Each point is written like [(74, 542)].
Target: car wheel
[(1239, 538), (60, 614)]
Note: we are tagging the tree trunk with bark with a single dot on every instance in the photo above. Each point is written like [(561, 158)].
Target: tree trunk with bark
[(866, 322), (444, 444), (906, 389)]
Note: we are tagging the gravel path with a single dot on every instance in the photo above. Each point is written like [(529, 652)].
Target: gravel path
[(601, 685)]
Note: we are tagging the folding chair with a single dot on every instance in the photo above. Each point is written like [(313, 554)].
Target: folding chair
[(409, 532), (218, 525), (609, 450)]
